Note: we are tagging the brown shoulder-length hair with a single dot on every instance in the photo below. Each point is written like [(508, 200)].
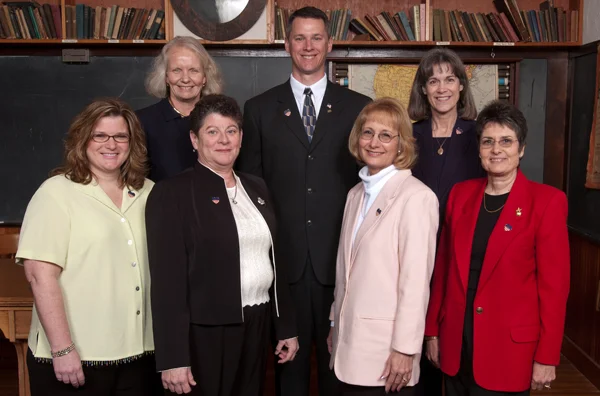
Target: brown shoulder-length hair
[(76, 165), (388, 111), (418, 106)]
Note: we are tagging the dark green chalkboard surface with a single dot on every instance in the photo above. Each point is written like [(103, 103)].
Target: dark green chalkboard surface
[(40, 95)]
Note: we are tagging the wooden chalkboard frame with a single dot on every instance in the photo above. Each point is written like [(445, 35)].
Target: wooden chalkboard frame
[(213, 31)]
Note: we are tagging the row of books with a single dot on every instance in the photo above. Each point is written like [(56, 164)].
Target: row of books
[(114, 23), (536, 26), (548, 24), (410, 25), (30, 20), (504, 82), (338, 27), (422, 23)]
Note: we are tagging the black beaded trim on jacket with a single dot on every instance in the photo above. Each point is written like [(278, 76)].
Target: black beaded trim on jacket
[(102, 363)]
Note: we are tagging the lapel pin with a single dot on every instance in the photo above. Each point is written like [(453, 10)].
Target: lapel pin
[(287, 112), (378, 212), (216, 200), (459, 131), (507, 227), (519, 212), (329, 107), (260, 201), (131, 194)]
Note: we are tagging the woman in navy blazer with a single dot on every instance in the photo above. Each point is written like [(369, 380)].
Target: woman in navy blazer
[(442, 105), (181, 74)]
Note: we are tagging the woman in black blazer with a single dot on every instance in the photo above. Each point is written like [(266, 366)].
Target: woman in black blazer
[(442, 105), (181, 74), (216, 289)]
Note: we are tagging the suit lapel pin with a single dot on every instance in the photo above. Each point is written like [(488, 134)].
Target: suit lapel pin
[(459, 131), (377, 212), (260, 201), (507, 227), (131, 194), (287, 112), (519, 212), (329, 107), (216, 200)]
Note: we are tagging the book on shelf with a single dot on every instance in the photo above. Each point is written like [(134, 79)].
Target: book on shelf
[(30, 20), (114, 23)]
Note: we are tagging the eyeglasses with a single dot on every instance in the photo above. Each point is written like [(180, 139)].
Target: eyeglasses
[(103, 137), (383, 137), (489, 143)]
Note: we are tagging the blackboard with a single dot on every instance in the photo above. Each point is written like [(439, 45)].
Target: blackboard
[(584, 203), (41, 95)]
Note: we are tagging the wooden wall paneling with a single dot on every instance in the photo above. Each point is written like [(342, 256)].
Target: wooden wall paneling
[(582, 327), (556, 121)]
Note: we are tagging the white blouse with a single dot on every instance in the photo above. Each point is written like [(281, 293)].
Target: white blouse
[(256, 270)]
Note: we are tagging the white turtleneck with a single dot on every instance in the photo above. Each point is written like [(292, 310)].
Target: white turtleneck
[(372, 185)]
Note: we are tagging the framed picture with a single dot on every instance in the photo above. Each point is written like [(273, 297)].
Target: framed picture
[(221, 20)]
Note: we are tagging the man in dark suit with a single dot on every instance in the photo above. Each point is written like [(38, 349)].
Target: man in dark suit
[(296, 138)]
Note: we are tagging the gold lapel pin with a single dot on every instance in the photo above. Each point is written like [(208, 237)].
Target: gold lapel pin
[(519, 212)]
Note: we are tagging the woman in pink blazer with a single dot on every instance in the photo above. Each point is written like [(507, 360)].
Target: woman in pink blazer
[(385, 259)]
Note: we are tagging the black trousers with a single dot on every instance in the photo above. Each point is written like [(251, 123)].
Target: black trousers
[(355, 390), (463, 383), (312, 302), (430, 379), (136, 378), (230, 360)]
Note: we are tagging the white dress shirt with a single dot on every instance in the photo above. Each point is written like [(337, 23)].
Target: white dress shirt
[(318, 92)]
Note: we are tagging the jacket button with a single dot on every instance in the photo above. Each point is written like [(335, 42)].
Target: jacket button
[(479, 310)]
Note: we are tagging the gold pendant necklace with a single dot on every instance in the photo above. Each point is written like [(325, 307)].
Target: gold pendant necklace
[(175, 108), (440, 150)]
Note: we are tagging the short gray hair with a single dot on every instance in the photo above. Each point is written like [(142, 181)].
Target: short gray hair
[(155, 81)]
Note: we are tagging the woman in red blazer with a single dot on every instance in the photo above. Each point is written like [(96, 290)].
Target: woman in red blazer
[(496, 315)]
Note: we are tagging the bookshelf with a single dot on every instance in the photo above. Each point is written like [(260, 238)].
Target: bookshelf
[(572, 21), (141, 22)]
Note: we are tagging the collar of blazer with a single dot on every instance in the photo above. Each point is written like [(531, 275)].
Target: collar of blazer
[(209, 193), (376, 212), (287, 110), (515, 215)]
